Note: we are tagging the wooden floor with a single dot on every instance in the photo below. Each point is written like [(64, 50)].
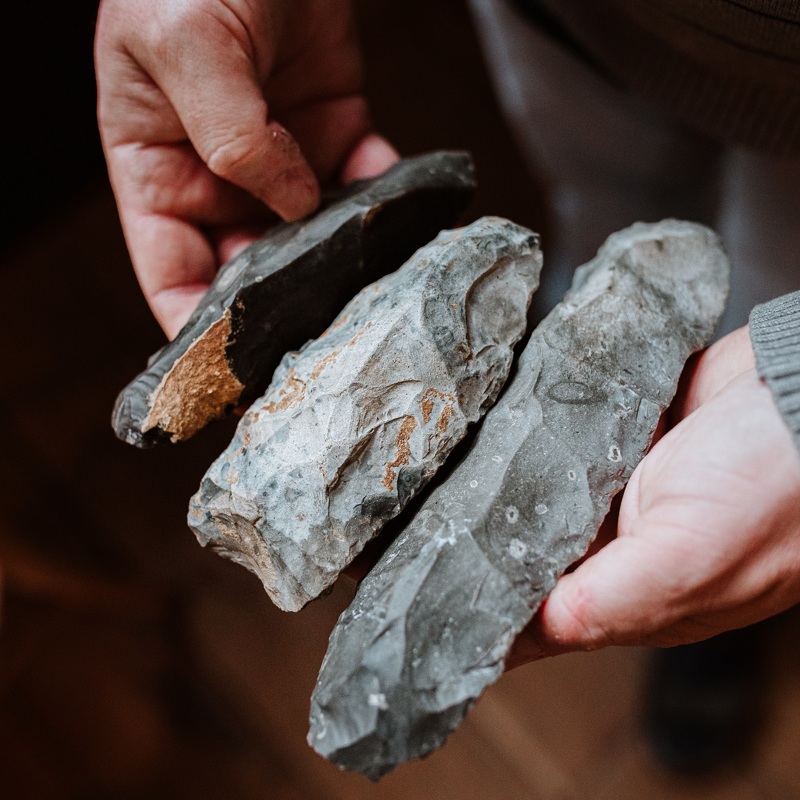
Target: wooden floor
[(133, 664)]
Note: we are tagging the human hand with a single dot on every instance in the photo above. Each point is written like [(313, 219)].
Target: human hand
[(708, 537), (193, 98)]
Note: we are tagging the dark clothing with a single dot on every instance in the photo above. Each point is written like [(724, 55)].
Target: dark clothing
[(775, 334), (727, 68)]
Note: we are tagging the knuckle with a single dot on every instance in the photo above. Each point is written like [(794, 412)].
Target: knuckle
[(171, 31), (580, 626), (231, 158), (176, 19)]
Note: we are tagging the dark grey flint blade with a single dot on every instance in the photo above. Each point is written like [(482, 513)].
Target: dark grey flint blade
[(283, 290), (432, 623), (356, 423)]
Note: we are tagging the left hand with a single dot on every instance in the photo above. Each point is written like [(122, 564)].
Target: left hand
[(708, 537)]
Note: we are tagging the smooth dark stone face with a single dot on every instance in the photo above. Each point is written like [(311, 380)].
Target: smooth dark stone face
[(433, 622), (359, 420), (285, 289)]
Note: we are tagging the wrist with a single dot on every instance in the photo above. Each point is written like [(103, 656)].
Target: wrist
[(775, 337)]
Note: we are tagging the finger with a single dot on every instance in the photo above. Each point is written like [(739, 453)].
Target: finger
[(337, 139), (171, 179), (606, 534), (319, 97), (181, 262), (222, 108), (230, 241), (687, 631), (168, 201), (698, 627), (529, 646), (625, 592), (629, 508), (372, 156), (331, 131), (713, 369), (175, 264)]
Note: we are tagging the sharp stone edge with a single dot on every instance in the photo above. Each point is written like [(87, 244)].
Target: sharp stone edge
[(359, 420), (431, 625), (286, 288)]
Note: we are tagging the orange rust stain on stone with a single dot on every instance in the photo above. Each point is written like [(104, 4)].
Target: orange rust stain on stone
[(444, 420), (289, 395), (320, 366), (427, 403), (370, 215), (226, 530), (403, 449), (434, 392), (335, 325), (339, 322), (359, 334), (427, 409), (198, 388), (331, 357), (451, 236)]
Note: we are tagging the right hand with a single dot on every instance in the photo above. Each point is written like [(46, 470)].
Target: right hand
[(192, 99), (708, 537)]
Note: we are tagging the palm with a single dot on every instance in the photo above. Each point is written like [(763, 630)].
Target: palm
[(707, 532), (713, 500)]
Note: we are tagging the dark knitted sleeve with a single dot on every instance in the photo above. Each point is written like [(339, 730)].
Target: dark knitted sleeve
[(775, 334)]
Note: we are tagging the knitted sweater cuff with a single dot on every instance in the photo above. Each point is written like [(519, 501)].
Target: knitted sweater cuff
[(775, 334)]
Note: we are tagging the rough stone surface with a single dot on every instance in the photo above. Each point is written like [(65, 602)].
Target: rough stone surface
[(432, 623), (360, 419), (283, 290)]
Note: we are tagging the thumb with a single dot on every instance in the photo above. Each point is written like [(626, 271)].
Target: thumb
[(623, 594), (221, 105), (711, 370)]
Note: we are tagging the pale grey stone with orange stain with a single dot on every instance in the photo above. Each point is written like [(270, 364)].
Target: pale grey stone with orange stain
[(359, 420), (432, 623)]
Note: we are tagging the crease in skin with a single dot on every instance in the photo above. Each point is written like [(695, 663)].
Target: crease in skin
[(238, 28)]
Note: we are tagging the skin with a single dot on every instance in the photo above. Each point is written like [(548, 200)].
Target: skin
[(708, 528), (217, 115)]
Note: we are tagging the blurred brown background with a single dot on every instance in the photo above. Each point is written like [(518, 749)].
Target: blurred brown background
[(133, 664)]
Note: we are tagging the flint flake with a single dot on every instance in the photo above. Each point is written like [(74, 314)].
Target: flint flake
[(360, 419)]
